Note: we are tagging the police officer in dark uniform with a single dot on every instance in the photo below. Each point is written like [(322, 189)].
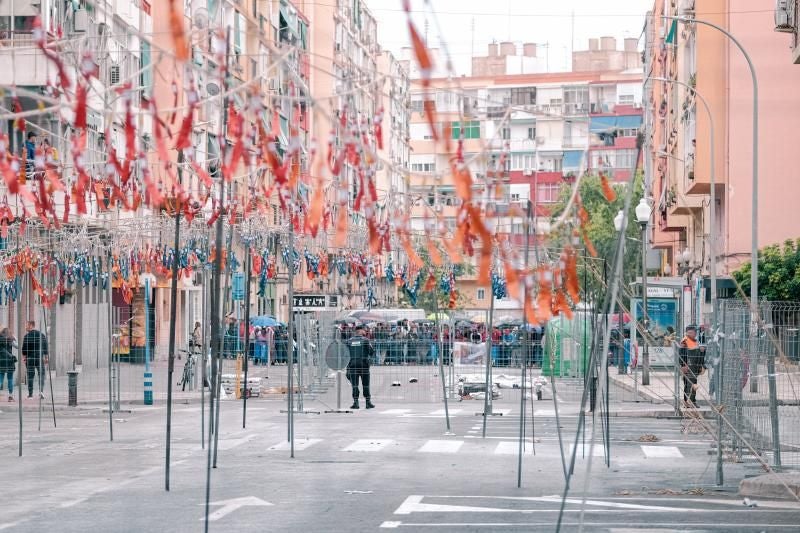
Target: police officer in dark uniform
[(361, 352)]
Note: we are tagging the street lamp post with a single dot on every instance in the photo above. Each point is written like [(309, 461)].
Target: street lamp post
[(643, 211), (754, 247), (619, 225), (712, 243)]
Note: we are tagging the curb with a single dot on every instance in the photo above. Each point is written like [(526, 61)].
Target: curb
[(772, 486)]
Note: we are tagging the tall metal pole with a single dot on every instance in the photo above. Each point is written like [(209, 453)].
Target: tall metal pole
[(173, 319), (525, 348), (487, 403), (645, 346), (773, 395), (216, 300), (754, 227), (246, 332), (109, 295)]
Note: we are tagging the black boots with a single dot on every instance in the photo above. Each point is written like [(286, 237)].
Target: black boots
[(355, 405), (370, 405)]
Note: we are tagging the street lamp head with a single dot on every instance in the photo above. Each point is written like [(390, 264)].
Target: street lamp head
[(618, 220), (643, 211), (686, 256)]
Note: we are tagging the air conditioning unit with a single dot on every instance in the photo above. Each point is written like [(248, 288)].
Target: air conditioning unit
[(527, 172), (784, 16)]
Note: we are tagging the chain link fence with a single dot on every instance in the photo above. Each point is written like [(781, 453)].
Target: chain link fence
[(758, 386)]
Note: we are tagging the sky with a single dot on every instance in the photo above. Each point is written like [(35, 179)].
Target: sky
[(539, 21)]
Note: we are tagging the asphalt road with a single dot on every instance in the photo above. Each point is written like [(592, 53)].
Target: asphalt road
[(388, 468)]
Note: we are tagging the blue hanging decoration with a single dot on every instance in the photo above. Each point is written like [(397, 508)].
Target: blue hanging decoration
[(498, 286), (389, 272), (234, 262), (444, 283), (341, 265), (312, 263)]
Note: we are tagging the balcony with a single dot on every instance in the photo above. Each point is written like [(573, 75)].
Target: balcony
[(787, 20), (21, 61)]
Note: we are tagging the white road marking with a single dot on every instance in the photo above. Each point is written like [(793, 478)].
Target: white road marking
[(299, 444), (662, 452), (229, 444), (413, 504), (395, 411), (368, 445), (442, 412), (531, 526), (442, 446), (511, 448), (229, 506)]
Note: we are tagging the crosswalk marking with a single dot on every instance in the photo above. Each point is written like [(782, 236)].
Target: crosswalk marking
[(662, 452), (368, 445), (299, 444), (441, 412), (441, 446), (395, 411), (511, 448)]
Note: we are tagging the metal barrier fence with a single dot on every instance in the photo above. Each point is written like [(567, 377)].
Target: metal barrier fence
[(403, 370), (760, 382)]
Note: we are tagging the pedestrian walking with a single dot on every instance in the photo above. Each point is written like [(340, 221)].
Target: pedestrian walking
[(361, 353), (7, 362), (196, 339), (692, 363), (34, 354)]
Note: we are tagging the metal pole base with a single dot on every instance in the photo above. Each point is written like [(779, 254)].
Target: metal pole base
[(302, 412), (337, 411)]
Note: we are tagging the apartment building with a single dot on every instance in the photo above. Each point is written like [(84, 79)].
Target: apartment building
[(553, 126), (678, 146)]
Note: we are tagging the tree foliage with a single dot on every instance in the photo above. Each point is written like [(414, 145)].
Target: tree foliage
[(600, 230), (778, 272)]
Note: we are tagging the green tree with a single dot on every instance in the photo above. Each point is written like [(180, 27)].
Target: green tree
[(778, 272), (600, 230)]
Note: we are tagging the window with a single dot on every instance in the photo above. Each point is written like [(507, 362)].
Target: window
[(505, 133), (522, 161), (523, 96), (420, 132), (146, 77), (472, 130), (515, 197), (626, 99), (628, 132), (481, 294), (547, 193), (531, 133), (423, 167), (625, 158)]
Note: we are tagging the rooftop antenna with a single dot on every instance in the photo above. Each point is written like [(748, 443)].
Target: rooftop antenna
[(473, 37)]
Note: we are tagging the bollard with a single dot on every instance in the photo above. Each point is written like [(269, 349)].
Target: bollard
[(72, 388), (148, 388)]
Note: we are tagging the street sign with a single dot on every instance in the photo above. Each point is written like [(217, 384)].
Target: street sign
[(337, 356), (238, 286), (315, 302)]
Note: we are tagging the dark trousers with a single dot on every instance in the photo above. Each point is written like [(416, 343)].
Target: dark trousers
[(689, 392), (31, 369), (354, 377)]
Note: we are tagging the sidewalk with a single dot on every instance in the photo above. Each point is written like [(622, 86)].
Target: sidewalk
[(662, 386)]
